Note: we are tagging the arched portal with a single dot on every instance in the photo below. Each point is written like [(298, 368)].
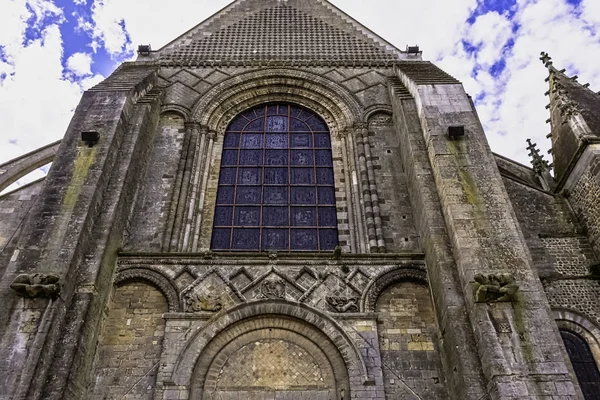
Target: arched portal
[(584, 365), (237, 353), (270, 357)]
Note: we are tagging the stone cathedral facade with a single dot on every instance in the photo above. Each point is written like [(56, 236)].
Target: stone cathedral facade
[(281, 205)]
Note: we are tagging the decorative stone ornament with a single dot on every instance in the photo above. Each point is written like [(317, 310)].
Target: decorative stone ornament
[(273, 289), (343, 304), (194, 302), (493, 288), (37, 285)]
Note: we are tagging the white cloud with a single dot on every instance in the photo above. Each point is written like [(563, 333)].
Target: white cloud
[(36, 101), (511, 105), (120, 25), (80, 64)]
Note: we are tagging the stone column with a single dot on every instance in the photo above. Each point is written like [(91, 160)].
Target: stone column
[(349, 193), (208, 159), (197, 172)]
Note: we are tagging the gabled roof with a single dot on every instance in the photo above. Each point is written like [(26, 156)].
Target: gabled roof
[(279, 32)]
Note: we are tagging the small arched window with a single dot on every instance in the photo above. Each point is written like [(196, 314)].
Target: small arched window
[(583, 363), (276, 188)]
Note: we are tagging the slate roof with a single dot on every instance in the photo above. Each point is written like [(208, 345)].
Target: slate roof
[(278, 32)]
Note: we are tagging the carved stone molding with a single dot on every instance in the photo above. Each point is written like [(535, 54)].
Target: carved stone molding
[(37, 285)]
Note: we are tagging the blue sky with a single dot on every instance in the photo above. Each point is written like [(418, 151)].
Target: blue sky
[(52, 50)]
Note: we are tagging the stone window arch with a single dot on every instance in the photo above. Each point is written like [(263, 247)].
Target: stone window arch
[(276, 188)]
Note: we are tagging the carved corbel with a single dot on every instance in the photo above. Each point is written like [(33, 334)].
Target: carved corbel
[(37, 285), (494, 288)]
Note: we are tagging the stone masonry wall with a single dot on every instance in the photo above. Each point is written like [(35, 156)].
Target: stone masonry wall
[(406, 337), (541, 213), (397, 214), (585, 200), (14, 207), (131, 345), (580, 295), (152, 211), (570, 255)]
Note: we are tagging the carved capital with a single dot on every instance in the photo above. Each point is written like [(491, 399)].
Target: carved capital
[(37, 285), (494, 288), (193, 124)]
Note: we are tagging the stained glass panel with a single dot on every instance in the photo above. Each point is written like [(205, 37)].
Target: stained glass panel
[(227, 176), (303, 195), (247, 216), (252, 141), (300, 140), (324, 176), (232, 140), (250, 176), (255, 126), (275, 216), (276, 186), (230, 157), (248, 195), (277, 124), (302, 157), (304, 216), (303, 176), (225, 195), (304, 239), (275, 239), (276, 176), (277, 141), (223, 216), (245, 239), (277, 157), (276, 195)]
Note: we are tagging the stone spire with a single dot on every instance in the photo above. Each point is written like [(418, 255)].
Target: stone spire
[(574, 117)]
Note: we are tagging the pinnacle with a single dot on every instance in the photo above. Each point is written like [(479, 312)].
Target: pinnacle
[(539, 164)]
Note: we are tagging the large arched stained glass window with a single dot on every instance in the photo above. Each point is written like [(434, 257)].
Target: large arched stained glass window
[(583, 363), (276, 189)]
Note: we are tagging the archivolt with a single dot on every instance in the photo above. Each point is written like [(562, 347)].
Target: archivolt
[(205, 343), (572, 321), (227, 99), (153, 278), (387, 278)]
